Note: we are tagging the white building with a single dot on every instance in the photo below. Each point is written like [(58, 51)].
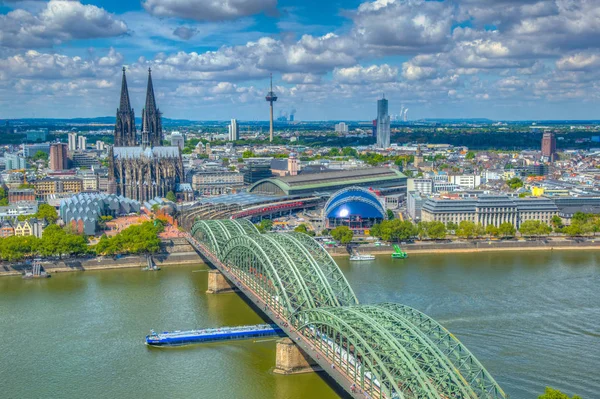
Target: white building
[(100, 145), (234, 130), (177, 140), (81, 143), (341, 127), (72, 141), (422, 186), (465, 181)]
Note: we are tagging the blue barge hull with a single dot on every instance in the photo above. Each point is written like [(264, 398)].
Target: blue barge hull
[(178, 338)]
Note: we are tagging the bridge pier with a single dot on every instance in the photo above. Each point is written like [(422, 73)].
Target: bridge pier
[(291, 359), (218, 284)]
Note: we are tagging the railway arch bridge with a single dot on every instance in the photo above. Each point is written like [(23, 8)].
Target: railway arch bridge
[(381, 350)]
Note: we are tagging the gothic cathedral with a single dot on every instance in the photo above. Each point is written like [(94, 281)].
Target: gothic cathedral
[(141, 168)]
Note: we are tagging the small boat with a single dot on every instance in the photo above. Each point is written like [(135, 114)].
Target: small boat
[(357, 256), (37, 271), (399, 253)]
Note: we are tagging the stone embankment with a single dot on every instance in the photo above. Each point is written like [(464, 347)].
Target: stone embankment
[(174, 251)]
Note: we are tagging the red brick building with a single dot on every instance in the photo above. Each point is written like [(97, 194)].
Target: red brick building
[(21, 194)]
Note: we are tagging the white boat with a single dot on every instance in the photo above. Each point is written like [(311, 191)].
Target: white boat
[(358, 256)]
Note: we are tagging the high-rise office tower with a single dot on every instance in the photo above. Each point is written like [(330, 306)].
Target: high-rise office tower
[(58, 156), (81, 143), (234, 130), (383, 124), (549, 146), (72, 141), (13, 162), (341, 127)]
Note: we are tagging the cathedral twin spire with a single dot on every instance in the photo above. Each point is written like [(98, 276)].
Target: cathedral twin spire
[(125, 132)]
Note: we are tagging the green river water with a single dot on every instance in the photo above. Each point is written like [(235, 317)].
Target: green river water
[(532, 318)]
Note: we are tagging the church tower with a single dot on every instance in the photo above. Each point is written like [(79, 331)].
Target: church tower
[(125, 125), (151, 122)]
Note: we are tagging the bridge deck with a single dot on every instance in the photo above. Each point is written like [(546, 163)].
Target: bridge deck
[(344, 380)]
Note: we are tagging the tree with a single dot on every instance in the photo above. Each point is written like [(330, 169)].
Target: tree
[(436, 230), (451, 226), (15, 248), (506, 229), (53, 241), (466, 229), (580, 217), (171, 196), (394, 230), (470, 155), (3, 197), (551, 393), (265, 225), (248, 154), (47, 212), (514, 183), (349, 152), (40, 155), (479, 230), (390, 214), (534, 228), (137, 239), (343, 234), (557, 222), (491, 230), (574, 230), (301, 228)]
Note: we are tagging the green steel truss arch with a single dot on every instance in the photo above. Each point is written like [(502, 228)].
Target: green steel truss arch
[(216, 233), (340, 286), (284, 268), (388, 354), (478, 378), (265, 266)]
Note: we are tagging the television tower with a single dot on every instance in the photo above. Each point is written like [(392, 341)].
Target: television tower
[(271, 98)]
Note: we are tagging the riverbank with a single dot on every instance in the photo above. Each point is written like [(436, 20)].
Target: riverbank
[(475, 246), (176, 251)]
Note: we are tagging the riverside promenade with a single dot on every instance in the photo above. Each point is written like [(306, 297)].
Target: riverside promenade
[(482, 245)]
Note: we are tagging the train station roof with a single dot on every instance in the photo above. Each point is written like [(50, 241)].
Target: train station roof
[(329, 181)]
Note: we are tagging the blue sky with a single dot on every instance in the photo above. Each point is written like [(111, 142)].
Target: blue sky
[(500, 59)]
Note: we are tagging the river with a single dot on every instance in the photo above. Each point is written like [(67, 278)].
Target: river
[(532, 318)]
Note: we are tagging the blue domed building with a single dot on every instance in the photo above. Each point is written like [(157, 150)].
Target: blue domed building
[(355, 207)]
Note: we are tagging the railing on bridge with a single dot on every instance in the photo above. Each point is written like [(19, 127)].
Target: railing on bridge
[(386, 350)]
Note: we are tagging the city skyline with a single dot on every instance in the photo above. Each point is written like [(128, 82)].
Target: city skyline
[(503, 60)]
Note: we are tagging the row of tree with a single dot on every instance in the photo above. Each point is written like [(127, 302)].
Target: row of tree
[(398, 230), (54, 242), (137, 239)]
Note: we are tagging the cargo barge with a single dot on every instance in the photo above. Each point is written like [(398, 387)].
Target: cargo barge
[(178, 338)]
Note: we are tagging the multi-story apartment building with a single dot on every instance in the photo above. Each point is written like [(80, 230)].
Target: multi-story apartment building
[(50, 186), (20, 195), (465, 181), (414, 204), (30, 150), (489, 209), (31, 227), (420, 185), (216, 182), (6, 229)]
